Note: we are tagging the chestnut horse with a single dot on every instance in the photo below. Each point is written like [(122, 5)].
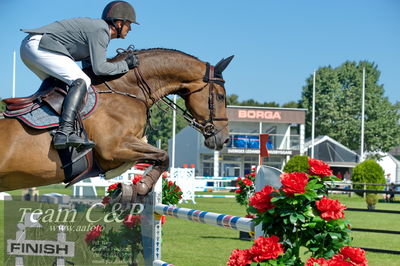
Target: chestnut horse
[(117, 126)]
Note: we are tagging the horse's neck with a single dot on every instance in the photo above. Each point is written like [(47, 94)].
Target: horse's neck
[(165, 73)]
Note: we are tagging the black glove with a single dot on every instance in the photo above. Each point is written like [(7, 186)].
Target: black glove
[(132, 61)]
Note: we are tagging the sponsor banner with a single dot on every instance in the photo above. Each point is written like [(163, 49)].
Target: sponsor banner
[(56, 227), (267, 115), (255, 151)]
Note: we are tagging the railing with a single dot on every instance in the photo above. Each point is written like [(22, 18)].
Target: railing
[(369, 230)]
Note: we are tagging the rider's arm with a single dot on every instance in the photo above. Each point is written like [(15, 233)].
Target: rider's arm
[(98, 43)]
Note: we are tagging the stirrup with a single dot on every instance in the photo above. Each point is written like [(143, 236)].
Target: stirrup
[(60, 144)]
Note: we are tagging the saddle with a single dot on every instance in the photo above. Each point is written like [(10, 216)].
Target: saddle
[(42, 109), (52, 92)]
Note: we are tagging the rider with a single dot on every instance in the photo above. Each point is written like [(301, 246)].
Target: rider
[(51, 51)]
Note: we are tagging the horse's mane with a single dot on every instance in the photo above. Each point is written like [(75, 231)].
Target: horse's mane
[(121, 53), (166, 49)]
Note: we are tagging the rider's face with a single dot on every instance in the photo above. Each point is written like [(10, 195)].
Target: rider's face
[(125, 29)]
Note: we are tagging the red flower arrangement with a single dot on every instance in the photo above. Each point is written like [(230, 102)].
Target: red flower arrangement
[(293, 183), (264, 248), (347, 256), (246, 188), (171, 192), (112, 187), (240, 257), (262, 200), (247, 182), (131, 220), (94, 233), (318, 168), (302, 217), (330, 209), (355, 255)]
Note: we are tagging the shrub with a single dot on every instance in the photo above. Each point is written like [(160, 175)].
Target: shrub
[(371, 199), (298, 163), (368, 172)]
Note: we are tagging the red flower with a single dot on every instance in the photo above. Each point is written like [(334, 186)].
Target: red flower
[(318, 168), (237, 191), (337, 260), (262, 200), (252, 216), (131, 220), (312, 261), (240, 257), (113, 187), (356, 255), (253, 174), (137, 178), (94, 233), (170, 183), (265, 248), (177, 189), (294, 183), (106, 200), (247, 182), (165, 174), (330, 209)]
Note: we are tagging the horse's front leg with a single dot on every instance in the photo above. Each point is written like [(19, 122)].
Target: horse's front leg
[(137, 151)]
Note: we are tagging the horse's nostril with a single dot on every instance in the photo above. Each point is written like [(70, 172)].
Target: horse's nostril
[(226, 141)]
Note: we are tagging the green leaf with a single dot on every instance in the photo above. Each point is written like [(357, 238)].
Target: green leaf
[(293, 218)]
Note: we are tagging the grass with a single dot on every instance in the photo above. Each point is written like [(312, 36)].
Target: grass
[(187, 243)]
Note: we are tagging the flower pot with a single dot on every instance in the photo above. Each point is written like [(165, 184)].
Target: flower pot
[(246, 236)]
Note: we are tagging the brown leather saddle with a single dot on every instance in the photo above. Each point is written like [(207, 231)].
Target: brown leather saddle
[(77, 165), (52, 92)]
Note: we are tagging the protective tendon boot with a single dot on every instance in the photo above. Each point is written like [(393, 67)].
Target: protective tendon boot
[(66, 134)]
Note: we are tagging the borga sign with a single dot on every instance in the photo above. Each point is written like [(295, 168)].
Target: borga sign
[(259, 114)]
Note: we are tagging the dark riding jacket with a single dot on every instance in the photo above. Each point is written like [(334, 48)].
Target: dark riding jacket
[(81, 39)]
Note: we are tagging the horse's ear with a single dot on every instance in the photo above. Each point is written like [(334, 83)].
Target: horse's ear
[(221, 65)]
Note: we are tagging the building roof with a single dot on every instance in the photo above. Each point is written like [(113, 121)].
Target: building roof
[(332, 152)]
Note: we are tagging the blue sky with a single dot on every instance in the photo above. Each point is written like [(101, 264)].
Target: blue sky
[(277, 44)]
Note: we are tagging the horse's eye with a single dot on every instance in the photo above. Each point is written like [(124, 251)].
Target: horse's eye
[(220, 97)]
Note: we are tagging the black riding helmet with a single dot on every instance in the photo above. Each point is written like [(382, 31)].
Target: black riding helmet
[(119, 10)]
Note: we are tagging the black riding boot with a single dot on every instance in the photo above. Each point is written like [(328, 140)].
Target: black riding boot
[(66, 134)]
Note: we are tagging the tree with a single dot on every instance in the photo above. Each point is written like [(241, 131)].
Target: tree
[(232, 99), (298, 163), (2, 106), (161, 121), (338, 107), (368, 171), (291, 104)]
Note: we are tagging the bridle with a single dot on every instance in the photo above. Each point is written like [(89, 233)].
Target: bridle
[(206, 127)]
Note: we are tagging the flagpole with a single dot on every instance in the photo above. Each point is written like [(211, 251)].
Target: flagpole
[(14, 64), (173, 134), (362, 117), (313, 118)]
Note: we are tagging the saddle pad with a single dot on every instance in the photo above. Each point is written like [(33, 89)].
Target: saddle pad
[(44, 117)]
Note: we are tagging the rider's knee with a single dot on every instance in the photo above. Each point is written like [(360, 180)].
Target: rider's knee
[(82, 80)]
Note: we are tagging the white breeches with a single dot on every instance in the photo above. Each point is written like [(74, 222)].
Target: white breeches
[(46, 63)]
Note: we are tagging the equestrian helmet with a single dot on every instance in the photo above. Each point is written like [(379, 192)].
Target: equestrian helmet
[(119, 10)]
